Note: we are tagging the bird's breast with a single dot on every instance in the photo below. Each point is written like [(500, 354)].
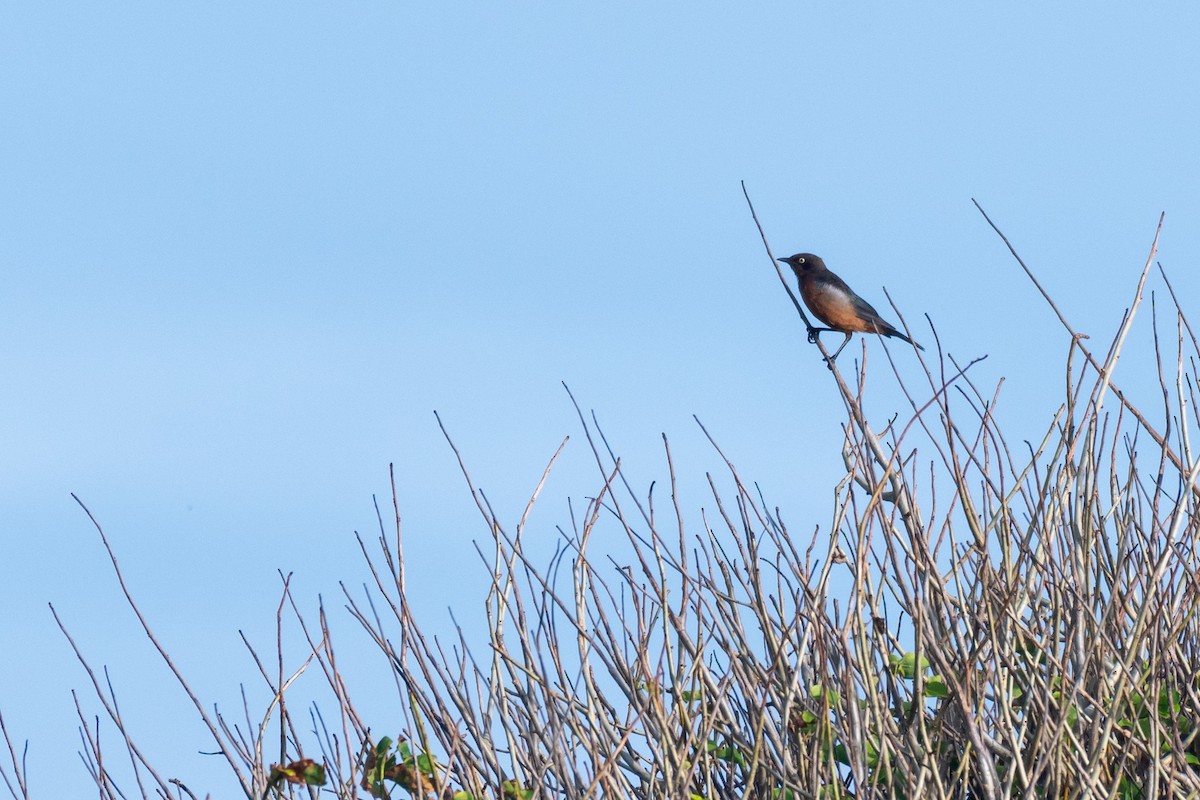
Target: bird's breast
[(833, 306)]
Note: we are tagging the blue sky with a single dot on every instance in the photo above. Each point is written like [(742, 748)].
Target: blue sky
[(249, 248)]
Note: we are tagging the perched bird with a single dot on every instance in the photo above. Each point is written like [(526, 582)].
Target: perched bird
[(834, 303)]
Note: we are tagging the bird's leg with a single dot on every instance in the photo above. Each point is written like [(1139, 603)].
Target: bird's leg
[(845, 342)]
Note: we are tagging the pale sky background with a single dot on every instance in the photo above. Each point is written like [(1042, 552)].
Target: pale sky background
[(249, 248)]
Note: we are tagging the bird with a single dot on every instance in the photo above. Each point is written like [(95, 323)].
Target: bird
[(836, 304)]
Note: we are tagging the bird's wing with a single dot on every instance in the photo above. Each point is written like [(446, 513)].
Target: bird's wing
[(862, 309), (867, 313), (865, 309)]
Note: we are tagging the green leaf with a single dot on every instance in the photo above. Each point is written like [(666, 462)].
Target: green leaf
[(1128, 790), (1168, 704), (816, 691), (906, 666), (726, 752), (872, 755), (302, 772), (512, 790), (314, 775), (427, 764)]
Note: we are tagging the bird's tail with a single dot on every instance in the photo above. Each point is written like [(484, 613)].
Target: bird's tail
[(898, 335)]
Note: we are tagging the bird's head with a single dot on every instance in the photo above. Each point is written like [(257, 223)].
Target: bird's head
[(803, 262)]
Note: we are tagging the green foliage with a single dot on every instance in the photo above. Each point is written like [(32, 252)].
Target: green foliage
[(416, 773), (394, 764), (305, 772)]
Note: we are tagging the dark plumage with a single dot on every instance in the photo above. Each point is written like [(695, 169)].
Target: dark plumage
[(834, 303)]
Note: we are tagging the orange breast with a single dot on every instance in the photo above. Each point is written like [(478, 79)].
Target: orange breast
[(833, 307)]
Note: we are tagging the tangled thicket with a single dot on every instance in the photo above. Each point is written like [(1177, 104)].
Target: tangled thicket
[(979, 621)]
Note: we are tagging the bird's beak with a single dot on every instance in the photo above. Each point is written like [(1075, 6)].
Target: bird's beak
[(783, 261)]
